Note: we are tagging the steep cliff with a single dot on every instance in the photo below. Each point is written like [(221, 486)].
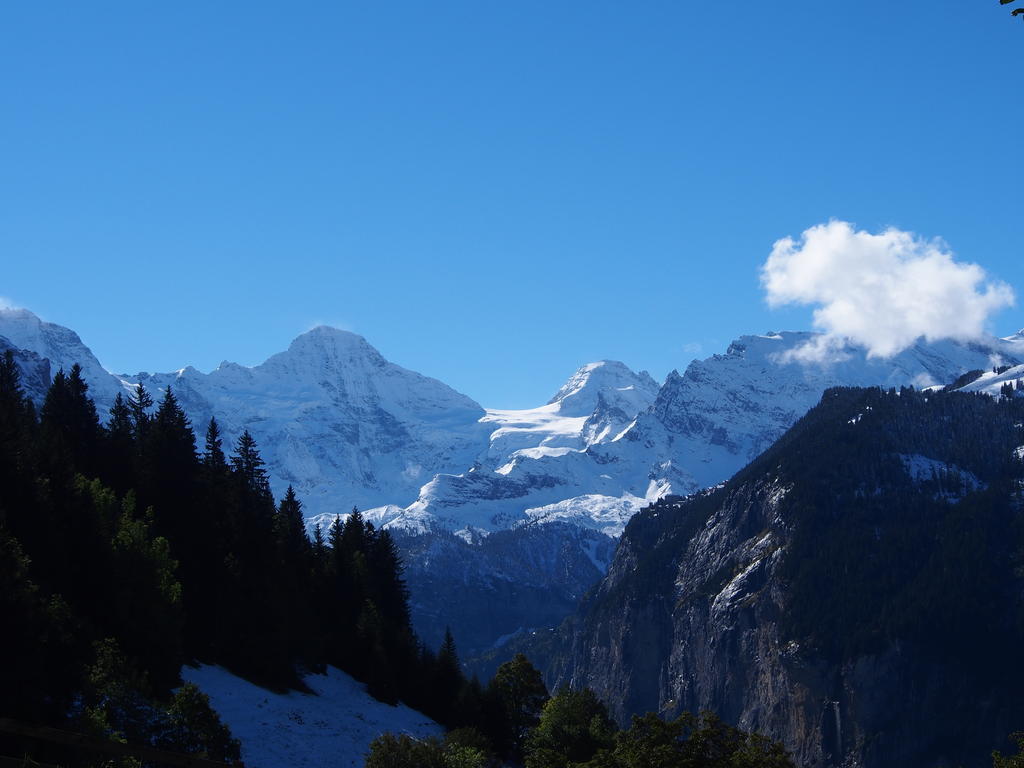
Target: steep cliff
[(855, 592)]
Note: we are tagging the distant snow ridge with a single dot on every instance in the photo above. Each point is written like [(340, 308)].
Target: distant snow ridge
[(700, 427), (331, 416), (346, 427), (62, 347)]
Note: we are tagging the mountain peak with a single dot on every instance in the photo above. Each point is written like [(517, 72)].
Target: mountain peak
[(61, 346), (327, 335), (619, 384), (326, 348)]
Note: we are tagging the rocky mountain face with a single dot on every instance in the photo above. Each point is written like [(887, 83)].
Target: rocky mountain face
[(331, 416), (696, 430), (34, 369), (488, 588), (855, 592), (347, 428), (61, 348)]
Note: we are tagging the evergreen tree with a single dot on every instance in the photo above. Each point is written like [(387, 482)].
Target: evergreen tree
[(517, 695), (290, 529), (139, 403), (448, 681), (574, 726), (249, 466), (70, 426), (213, 454), (121, 455), (39, 654)]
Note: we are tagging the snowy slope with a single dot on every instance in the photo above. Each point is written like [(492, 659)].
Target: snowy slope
[(331, 416), (990, 382), (62, 347), (336, 420), (332, 728), (346, 427), (598, 399), (703, 426), (493, 494)]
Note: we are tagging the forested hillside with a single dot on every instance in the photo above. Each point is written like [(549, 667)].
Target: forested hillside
[(126, 552), (854, 592)]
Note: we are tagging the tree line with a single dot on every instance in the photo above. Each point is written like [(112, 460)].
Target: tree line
[(126, 551), (520, 724)]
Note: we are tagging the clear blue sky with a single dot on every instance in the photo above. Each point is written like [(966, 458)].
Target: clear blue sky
[(491, 193)]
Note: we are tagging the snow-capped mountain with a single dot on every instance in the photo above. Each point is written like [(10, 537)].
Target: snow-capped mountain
[(62, 348), (703, 426), (331, 416), (346, 427), (336, 420), (536, 466)]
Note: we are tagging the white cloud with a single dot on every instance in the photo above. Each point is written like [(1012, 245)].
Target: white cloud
[(6, 303), (883, 292), (693, 348)]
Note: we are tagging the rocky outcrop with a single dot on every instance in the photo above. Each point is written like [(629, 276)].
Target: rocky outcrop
[(33, 369), (698, 610), (488, 588)]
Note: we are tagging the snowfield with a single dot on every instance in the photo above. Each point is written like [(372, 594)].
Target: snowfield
[(331, 729)]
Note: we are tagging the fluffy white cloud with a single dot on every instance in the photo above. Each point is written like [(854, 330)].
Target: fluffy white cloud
[(882, 291)]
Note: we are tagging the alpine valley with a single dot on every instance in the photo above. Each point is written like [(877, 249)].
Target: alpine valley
[(825, 550), (517, 512)]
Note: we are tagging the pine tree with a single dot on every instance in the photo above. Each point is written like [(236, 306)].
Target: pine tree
[(290, 529), (17, 439), (319, 547), (213, 454), (448, 681), (120, 456), (139, 403), (69, 422), (249, 466), (169, 474)]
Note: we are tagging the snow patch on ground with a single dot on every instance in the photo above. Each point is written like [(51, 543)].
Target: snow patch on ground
[(991, 383), (332, 728), (921, 469)]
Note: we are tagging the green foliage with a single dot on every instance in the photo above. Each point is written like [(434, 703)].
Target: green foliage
[(195, 729), (518, 694), (651, 742), (115, 704), (390, 751), (38, 652), (1015, 11), (574, 726), (1011, 761), (463, 748), (123, 553), (861, 571)]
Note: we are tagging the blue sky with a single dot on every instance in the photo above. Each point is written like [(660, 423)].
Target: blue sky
[(491, 193)]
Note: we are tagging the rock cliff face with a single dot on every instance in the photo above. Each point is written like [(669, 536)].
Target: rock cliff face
[(861, 613), (346, 427), (33, 369), (496, 587)]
